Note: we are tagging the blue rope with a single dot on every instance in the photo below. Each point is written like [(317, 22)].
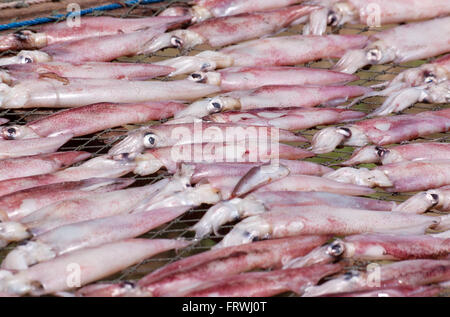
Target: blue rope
[(82, 12)]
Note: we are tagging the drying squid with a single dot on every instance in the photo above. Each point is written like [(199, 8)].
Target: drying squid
[(205, 170), (76, 92), (10, 74), (275, 51), (75, 210), (400, 153), (101, 166), (261, 202), (222, 31), (401, 44), (408, 176), (164, 135), (195, 270), (438, 199), (382, 131), (94, 263), (309, 183), (86, 234), (444, 224), (404, 273), (91, 118), (89, 27), (205, 9), (17, 148), (276, 96), (152, 160), (374, 13), (23, 202), (258, 284), (289, 118), (246, 78), (39, 164), (3, 121), (286, 221)]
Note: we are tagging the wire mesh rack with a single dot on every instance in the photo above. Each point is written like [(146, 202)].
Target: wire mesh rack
[(101, 142)]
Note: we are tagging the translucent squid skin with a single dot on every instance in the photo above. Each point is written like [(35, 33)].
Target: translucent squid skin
[(222, 31), (257, 284), (45, 277), (410, 273), (205, 170), (403, 43), (89, 27), (400, 153), (21, 203), (164, 135), (289, 119), (10, 149), (153, 160), (39, 164), (92, 118), (272, 96), (195, 270), (246, 78), (407, 176), (438, 199), (73, 92), (382, 131), (288, 221), (93, 70), (101, 166), (86, 234)]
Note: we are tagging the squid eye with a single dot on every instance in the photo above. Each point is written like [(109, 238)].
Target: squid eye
[(9, 133), (434, 198), (345, 132), (176, 41), (374, 55), (381, 151), (26, 60), (351, 274), (215, 106), (198, 77), (149, 140), (336, 249), (333, 18)]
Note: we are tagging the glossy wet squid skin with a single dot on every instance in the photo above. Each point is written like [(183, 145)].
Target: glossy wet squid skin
[(382, 131), (92, 118), (400, 44)]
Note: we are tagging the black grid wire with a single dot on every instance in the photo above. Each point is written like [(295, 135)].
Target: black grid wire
[(101, 142)]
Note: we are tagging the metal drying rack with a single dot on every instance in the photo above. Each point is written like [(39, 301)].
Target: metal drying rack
[(101, 142)]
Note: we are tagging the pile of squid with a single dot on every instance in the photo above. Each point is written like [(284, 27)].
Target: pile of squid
[(227, 127)]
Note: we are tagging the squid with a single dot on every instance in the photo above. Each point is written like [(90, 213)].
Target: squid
[(274, 96), (222, 31), (11, 74), (262, 202), (205, 9), (306, 183), (19, 204), (438, 199), (101, 166), (289, 119), (401, 44), (373, 14), (246, 78), (195, 270), (94, 263), (90, 119), (76, 92), (10, 149), (382, 131), (404, 273), (408, 176), (89, 27), (88, 207), (444, 225), (39, 164), (400, 153), (164, 135), (286, 221), (274, 51), (87, 234)]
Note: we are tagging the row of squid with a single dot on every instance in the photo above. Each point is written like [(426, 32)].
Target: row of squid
[(63, 208)]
